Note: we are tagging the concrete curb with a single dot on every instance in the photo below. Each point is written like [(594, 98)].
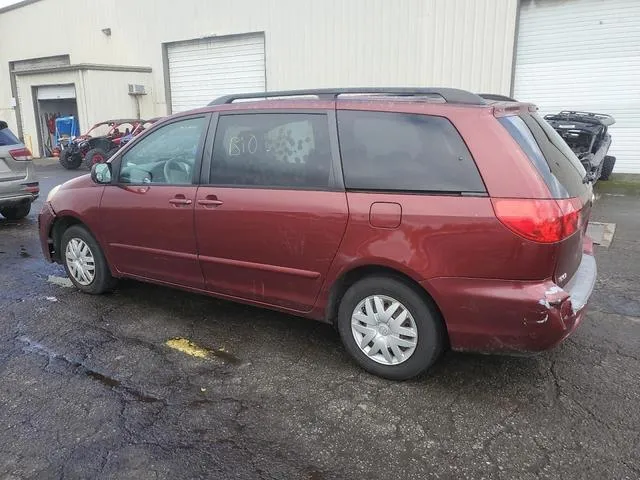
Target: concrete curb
[(45, 161)]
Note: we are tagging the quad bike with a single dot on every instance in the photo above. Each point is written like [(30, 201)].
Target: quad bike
[(98, 144), (138, 129), (587, 135)]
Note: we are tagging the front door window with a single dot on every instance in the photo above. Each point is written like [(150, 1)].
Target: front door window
[(166, 156)]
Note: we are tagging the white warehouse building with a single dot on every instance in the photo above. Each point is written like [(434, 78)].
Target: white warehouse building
[(99, 60)]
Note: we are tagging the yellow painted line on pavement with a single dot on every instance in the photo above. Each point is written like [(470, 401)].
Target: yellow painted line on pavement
[(187, 347)]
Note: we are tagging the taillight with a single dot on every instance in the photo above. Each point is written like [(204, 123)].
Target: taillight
[(543, 221), (20, 154)]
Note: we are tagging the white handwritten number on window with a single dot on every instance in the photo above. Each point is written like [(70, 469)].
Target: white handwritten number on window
[(240, 145)]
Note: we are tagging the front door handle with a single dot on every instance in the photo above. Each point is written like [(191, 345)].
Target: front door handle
[(180, 200)]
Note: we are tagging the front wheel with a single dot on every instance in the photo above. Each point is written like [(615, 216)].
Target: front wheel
[(389, 328), (16, 213), (69, 160), (85, 262)]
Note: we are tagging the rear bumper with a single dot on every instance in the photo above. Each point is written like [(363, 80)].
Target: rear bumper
[(20, 190), (17, 199), (45, 222), (484, 315)]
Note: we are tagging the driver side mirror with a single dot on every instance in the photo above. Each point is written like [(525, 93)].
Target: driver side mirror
[(101, 173)]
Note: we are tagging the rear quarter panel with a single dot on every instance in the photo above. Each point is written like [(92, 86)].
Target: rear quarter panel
[(438, 237)]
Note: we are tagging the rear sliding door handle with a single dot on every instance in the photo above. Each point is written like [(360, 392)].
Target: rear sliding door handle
[(209, 202)]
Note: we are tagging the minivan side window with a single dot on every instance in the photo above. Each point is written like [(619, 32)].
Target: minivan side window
[(277, 150), (166, 156), (405, 152), (558, 166)]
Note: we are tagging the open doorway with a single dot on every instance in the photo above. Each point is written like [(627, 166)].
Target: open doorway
[(53, 101)]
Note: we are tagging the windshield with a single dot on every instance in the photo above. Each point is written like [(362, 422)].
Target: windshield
[(100, 130)]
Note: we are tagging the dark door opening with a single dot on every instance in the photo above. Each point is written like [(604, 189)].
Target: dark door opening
[(48, 111)]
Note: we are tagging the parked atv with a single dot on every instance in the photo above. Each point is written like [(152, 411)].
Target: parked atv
[(587, 135), (138, 129), (98, 144)]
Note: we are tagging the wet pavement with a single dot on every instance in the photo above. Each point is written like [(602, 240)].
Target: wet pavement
[(149, 382)]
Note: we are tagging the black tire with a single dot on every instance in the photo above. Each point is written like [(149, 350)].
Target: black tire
[(431, 337), (68, 161), (16, 213), (607, 167), (95, 155), (112, 152), (102, 281)]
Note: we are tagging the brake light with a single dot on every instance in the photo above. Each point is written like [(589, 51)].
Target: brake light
[(542, 221), (20, 154)]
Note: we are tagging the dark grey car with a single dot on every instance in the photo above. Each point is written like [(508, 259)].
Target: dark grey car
[(19, 185)]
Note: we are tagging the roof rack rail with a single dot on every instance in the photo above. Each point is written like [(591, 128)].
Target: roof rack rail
[(449, 95), (496, 97)]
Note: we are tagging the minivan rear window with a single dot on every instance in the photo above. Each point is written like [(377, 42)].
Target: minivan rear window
[(7, 138), (384, 151), (558, 166)]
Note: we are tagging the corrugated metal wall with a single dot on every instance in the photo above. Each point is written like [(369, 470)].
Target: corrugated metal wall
[(308, 43)]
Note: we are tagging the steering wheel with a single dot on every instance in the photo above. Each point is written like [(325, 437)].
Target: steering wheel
[(177, 171)]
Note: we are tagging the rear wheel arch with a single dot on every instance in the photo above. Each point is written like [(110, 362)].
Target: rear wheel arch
[(350, 277)]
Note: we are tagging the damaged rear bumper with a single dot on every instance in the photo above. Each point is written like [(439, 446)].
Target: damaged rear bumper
[(486, 315)]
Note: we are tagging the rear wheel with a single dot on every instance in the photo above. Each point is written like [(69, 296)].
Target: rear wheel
[(95, 155), (16, 213), (389, 328), (112, 152), (607, 167), (69, 160), (85, 262)]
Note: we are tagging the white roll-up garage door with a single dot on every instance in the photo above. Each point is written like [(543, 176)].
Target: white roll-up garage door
[(201, 70), (584, 55), (55, 92)]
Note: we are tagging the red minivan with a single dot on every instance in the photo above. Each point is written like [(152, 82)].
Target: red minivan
[(414, 220)]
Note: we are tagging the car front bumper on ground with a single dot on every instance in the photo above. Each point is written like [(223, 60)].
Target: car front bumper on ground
[(45, 222), (486, 315)]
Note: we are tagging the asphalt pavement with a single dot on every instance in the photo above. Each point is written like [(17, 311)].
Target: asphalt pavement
[(155, 383)]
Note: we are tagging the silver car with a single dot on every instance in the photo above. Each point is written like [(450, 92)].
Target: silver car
[(19, 185)]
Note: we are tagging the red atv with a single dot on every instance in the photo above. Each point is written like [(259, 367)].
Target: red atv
[(139, 128), (99, 143)]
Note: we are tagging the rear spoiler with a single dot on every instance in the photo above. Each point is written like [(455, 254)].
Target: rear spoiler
[(496, 97), (604, 119)]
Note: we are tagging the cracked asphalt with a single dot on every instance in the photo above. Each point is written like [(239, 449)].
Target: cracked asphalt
[(88, 388)]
